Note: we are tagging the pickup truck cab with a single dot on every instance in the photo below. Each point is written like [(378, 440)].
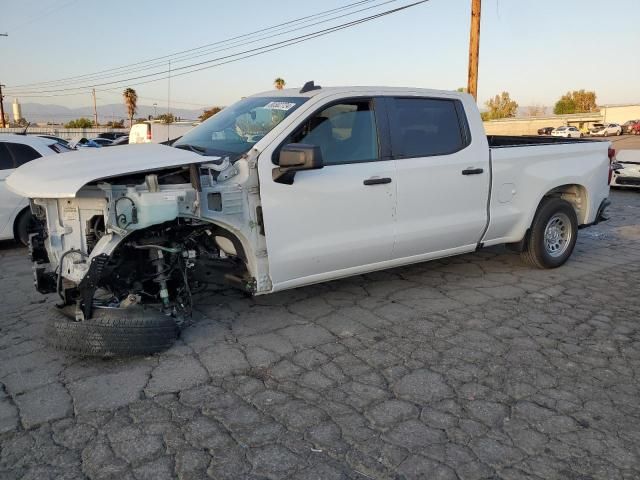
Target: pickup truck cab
[(293, 187)]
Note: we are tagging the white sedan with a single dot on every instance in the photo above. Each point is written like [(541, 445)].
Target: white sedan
[(604, 130), (566, 132), (15, 150)]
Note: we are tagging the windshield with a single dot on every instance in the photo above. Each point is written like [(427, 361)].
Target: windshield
[(237, 128)]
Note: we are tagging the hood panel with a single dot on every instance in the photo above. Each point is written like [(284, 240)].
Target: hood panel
[(61, 176)]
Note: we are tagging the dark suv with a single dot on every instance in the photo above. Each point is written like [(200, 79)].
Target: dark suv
[(545, 130)]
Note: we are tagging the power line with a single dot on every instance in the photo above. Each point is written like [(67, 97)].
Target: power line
[(200, 54), (162, 64), (219, 42), (46, 14), (244, 54)]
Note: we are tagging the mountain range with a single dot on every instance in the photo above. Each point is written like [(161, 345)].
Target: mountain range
[(40, 113)]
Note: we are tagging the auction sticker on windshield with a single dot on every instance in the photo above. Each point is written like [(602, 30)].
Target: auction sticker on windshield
[(279, 105)]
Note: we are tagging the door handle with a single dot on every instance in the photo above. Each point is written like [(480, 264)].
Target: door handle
[(472, 171), (377, 181)]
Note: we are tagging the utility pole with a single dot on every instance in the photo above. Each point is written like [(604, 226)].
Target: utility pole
[(474, 48), (169, 102), (2, 105), (95, 110)]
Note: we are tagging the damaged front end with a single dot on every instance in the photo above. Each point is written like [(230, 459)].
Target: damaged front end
[(151, 238)]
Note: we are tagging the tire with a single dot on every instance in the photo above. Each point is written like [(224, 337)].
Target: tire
[(557, 218), (112, 332), (23, 226)]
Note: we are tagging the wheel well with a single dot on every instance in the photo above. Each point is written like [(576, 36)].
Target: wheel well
[(575, 194), (16, 220)]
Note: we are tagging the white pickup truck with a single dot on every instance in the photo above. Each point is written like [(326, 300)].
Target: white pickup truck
[(290, 188)]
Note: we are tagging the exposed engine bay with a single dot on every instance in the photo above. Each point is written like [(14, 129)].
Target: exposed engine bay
[(151, 239)]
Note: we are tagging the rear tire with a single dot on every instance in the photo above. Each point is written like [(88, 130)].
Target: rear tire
[(112, 332), (553, 234)]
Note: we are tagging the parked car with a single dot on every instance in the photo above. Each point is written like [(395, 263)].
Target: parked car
[(627, 127), (59, 140), (16, 150), (606, 129), (566, 132), (545, 130), (290, 188), (103, 142), (158, 132), (626, 169), (112, 135), (124, 140), (87, 143), (635, 130)]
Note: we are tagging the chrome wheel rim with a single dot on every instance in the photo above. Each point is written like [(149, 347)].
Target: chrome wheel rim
[(557, 235)]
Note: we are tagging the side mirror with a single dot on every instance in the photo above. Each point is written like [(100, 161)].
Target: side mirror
[(295, 157)]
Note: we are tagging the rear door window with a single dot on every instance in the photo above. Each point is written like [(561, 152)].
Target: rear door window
[(6, 162), (423, 127), (21, 153)]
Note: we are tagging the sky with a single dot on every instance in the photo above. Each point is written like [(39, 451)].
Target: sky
[(535, 50)]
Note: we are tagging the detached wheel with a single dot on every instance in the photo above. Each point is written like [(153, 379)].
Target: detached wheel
[(553, 234), (112, 332)]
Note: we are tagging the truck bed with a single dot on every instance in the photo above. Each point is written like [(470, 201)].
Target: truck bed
[(500, 141)]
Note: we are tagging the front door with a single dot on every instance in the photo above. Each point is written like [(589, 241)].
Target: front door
[(443, 177), (337, 220)]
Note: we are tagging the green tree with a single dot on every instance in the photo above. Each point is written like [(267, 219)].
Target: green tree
[(564, 106), (501, 106), (116, 124), (131, 102), (577, 101), (209, 113), (79, 123), (166, 118), (461, 89), (279, 83)]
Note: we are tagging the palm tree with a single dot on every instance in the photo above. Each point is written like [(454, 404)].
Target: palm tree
[(279, 83), (131, 102)]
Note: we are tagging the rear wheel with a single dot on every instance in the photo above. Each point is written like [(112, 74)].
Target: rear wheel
[(553, 234), (112, 332)]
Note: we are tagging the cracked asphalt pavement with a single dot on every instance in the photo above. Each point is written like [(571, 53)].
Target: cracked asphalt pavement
[(473, 367)]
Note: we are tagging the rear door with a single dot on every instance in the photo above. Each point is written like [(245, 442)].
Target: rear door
[(12, 155), (338, 220), (443, 177)]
